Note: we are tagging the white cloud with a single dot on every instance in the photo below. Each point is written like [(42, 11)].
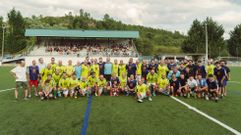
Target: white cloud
[(166, 14)]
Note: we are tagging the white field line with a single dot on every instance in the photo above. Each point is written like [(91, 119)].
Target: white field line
[(207, 116), (7, 89), (235, 82)]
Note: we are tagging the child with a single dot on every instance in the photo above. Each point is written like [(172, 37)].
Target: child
[(83, 88), (73, 85), (92, 83), (163, 85), (101, 85), (131, 84), (183, 86), (202, 87), (174, 86), (63, 85)]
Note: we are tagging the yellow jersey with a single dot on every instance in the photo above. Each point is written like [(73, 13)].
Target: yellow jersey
[(85, 71), (138, 69), (141, 88), (162, 70), (122, 69), (115, 68), (163, 83), (95, 68)]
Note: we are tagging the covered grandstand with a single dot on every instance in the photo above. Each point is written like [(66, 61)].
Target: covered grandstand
[(78, 44)]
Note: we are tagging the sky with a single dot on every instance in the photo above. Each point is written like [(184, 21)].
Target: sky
[(164, 14)]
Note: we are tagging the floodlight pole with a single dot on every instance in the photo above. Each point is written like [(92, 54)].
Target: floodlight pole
[(206, 34), (3, 27)]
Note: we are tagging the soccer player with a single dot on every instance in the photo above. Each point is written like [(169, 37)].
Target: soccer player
[(78, 70), (123, 83), (200, 69), (174, 86), (48, 86), (46, 71), (183, 86), (64, 85), (60, 67), (142, 91), (73, 85), (192, 86), (162, 69), (83, 85), (101, 85), (151, 80), (213, 87), (85, 69), (122, 68), (210, 68), (107, 69), (174, 71), (95, 68), (227, 78), (56, 77), (144, 70), (92, 83), (53, 64), (152, 66), (220, 75), (69, 69), (101, 66), (163, 85), (115, 67), (20, 74), (41, 64), (202, 87), (113, 85), (131, 85), (131, 68), (138, 69), (33, 78)]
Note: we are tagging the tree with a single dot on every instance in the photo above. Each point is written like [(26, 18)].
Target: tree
[(195, 41), (1, 34), (234, 43), (15, 39)]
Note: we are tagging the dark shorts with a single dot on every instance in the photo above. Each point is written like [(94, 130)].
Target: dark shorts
[(19, 84), (220, 84), (107, 77)]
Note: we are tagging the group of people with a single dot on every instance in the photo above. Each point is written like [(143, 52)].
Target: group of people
[(139, 79)]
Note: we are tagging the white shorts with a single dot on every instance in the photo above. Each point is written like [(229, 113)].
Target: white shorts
[(65, 92), (84, 91), (143, 95)]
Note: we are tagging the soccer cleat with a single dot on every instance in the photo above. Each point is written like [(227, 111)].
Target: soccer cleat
[(96, 94), (75, 97), (216, 99), (206, 97), (140, 101), (150, 99), (29, 96), (154, 94), (26, 98), (188, 95)]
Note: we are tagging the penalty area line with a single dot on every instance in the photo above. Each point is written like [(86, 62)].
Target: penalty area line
[(7, 89), (207, 116)]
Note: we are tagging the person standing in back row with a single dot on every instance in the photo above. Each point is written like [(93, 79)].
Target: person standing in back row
[(108, 69), (20, 75)]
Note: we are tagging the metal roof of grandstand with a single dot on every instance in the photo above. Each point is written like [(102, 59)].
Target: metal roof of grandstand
[(80, 33)]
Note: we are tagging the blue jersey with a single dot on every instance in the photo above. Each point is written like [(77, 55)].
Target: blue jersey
[(212, 85), (131, 69), (131, 84), (200, 70), (33, 72), (219, 73), (108, 69), (202, 83), (78, 71), (101, 67)]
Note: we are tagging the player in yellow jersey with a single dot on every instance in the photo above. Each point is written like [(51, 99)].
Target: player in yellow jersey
[(60, 67), (122, 68), (123, 82), (64, 85), (138, 69), (69, 69), (210, 68), (163, 85), (115, 67), (48, 86), (95, 68), (53, 64), (85, 69), (92, 83), (162, 69), (102, 84), (46, 71), (142, 91), (83, 85), (56, 77), (73, 85), (151, 80)]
